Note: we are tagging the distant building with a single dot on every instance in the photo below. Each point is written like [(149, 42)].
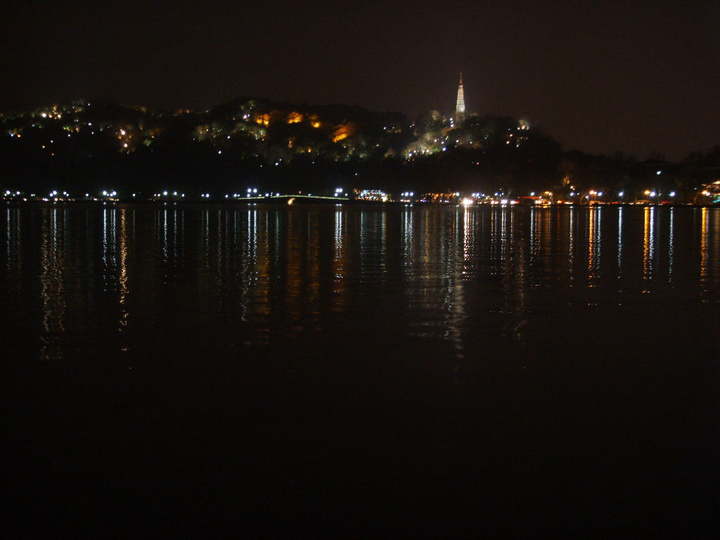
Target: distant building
[(460, 105)]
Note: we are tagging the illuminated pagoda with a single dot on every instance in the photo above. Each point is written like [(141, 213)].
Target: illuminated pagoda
[(460, 105)]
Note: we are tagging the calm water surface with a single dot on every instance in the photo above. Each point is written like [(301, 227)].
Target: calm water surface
[(350, 370)]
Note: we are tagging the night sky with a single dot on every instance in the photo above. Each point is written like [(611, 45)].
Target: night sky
[(641, 77)]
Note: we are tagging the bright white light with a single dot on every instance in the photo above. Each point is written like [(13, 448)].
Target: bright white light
[(467, 201), (621, 194), (672, 193)]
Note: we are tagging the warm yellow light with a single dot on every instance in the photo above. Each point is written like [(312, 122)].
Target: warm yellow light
[(294, 118), (314, 120), (343, 131), (262, 119)]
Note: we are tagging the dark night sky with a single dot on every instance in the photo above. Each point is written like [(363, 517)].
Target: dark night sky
[(637, 76)]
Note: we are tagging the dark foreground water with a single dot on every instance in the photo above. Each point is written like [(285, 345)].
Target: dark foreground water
[(359, 371)]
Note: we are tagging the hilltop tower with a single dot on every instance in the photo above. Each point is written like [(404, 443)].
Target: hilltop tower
[(460, 105)]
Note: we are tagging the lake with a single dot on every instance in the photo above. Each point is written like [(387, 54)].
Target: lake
[(360, 370)]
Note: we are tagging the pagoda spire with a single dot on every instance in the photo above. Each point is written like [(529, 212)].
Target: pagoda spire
[(460, 104)]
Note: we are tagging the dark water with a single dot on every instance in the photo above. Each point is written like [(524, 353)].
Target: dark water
[(360, 371)]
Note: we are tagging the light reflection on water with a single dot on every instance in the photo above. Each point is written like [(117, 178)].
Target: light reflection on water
[(671, 245), (572, 223), (562, 361), (123, 278), (464, 276), (52, 280), (649, 243), (594, 244), (620, 242)]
